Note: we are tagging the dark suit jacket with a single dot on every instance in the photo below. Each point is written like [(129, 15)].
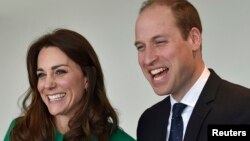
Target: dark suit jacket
[(220, 102)]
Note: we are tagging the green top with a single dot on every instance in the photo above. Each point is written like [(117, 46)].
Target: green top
[(118, 135)]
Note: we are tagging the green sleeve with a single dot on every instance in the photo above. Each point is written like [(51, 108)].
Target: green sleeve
[(7, 136), (120, 135)]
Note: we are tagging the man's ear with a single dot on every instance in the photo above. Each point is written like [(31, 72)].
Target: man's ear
[(195, 38)]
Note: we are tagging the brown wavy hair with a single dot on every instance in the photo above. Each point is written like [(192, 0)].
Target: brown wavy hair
[(94, 117)]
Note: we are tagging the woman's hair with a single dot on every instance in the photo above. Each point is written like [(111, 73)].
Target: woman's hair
[(185, 14), (94, 116)]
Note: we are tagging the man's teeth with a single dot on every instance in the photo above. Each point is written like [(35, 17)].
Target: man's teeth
[(156, 71), (56, 97)]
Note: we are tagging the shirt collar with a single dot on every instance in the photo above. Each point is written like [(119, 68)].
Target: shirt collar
[(193, 94)]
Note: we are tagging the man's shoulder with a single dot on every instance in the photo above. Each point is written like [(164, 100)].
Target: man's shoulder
[(153, 120), (233, 87), (161, 104), (158, 108), (228, 85), (223, 86)]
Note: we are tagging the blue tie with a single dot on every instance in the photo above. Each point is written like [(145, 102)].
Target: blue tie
[(176, 131)]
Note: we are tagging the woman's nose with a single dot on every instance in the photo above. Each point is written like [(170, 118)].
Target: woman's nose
[(50, 82)]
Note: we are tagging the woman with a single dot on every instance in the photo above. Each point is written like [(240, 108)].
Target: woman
[(67, 99)]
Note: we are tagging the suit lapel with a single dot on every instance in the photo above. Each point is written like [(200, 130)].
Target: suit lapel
[(195, 122), (202, 107), (164, 119)]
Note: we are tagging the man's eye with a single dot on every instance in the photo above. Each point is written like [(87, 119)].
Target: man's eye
[(160, 42), (139, 47)]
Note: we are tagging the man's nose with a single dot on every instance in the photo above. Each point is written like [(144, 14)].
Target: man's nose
[(150, 56)]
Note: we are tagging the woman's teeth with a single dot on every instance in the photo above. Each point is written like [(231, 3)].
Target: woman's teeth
[(56, 97)]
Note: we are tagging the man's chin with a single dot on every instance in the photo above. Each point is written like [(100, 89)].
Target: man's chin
[(160, 93)]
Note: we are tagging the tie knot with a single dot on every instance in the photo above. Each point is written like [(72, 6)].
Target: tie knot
[(178, 108)]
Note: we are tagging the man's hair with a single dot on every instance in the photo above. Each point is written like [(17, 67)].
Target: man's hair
[(185, 14)]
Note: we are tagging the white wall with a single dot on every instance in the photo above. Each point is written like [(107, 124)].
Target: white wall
[(109, 26)]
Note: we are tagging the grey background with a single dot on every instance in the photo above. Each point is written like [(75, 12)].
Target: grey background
[(109, 26)]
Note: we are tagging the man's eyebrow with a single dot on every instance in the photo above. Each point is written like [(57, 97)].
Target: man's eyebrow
[(152, 39), (157, 36)]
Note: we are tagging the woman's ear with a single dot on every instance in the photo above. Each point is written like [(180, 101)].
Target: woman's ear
[(86, 82)]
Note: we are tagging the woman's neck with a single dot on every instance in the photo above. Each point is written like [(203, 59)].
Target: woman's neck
[(61, 123)]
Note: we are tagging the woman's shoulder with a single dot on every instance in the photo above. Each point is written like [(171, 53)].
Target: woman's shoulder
[(11, 126), (120, 135)]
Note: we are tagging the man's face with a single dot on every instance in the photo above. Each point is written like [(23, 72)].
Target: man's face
[(165, 58)]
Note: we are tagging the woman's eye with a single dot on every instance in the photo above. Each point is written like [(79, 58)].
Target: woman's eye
[(60, 72), (40, 75)]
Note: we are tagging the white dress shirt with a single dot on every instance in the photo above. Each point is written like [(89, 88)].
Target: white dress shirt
[(190, 100)]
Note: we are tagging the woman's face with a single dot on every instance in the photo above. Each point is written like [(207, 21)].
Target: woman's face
[(61, 82)]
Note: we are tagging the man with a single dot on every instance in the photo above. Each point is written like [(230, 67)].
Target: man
[(169, 42)]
